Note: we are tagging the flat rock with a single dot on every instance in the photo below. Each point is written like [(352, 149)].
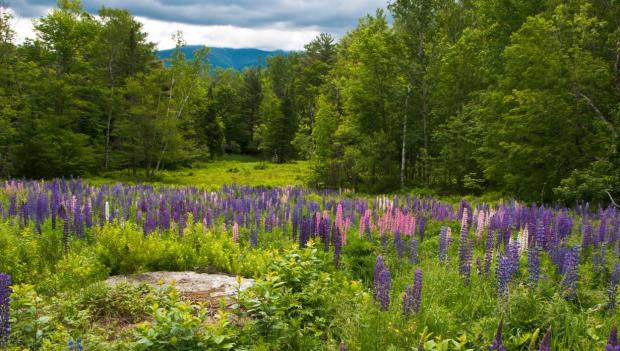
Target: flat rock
[(198, 287)]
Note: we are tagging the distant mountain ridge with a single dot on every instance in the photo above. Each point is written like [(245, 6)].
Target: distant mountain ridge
[(227, 57)]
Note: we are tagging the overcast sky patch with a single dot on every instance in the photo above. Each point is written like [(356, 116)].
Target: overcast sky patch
[(266, 24)]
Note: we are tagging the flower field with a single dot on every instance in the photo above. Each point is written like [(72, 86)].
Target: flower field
[(333, 271)]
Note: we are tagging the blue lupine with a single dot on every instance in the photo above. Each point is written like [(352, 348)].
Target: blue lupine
[(443, 244), (612, 340), (533, 264), (498, 343), (571, 265), (5, 301), (337, 244), (412, 299), (488, 254), (413, 251), (503, 275), (379, 266), (422, 226), (383, 293), (466, 249), (398, 244), (545, 344)]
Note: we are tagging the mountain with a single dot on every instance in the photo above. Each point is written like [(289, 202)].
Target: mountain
[(227, 57)]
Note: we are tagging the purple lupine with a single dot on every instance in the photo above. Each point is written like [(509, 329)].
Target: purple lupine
[(76, 345), (503, 275), (398, 244), (384, 289), (443, 244), (466, 249), (379, 267), (614, 280), (422, 226), (545, 344), (253, 237), (5, 300), (488, 254), (498, 343), (479, 267), (612, 340), (413, 251), (164, 215), (337, 238), (570, 268), (88, 219), (533, 264), (586, 238), (417, 282)]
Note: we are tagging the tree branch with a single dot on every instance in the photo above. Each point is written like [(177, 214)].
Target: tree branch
[(598, 112), (611, 198)]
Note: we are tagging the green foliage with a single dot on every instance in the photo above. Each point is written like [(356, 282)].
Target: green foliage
[(293, 304), (179, 327)]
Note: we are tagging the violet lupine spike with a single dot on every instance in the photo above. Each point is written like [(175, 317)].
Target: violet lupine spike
[(422, 227), (398, 244), (379, 266), (498, 343), (443, 245), (488, 254), (5, 301), (545, 344), (533, 264), (612, 340), (570, 269), (383, 294), (413, 251), (417, 290), (337, 244), (466, 250), (503, 275)]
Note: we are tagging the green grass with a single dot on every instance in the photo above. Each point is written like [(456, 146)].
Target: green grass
[(241, 170)]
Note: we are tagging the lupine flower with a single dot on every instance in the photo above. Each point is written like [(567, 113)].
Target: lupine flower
[(466, 249), (545, 344), (412, 299), (612, 341), (443, 244), (586, 238), (76, 345), (253, 238), (571, 265), (422, 227), (5, 301), (337, 244), (413, 251), (503, 275), (398, 243), (384, 289), (379, 266), (533, 264), (498, 343), (488, 254)]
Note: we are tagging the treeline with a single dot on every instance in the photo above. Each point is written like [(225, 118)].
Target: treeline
[(515, 96)]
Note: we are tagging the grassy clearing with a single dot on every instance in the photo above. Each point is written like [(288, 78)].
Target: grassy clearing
[(241, 170)]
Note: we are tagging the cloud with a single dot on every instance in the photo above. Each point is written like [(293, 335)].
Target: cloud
[(266, 24)]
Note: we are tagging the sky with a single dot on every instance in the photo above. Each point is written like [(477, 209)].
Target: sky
[(261, 24)]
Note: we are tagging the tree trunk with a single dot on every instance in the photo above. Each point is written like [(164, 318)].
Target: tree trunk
[(403, 152)]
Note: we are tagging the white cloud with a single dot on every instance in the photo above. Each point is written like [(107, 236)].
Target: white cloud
[(279, 37)]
